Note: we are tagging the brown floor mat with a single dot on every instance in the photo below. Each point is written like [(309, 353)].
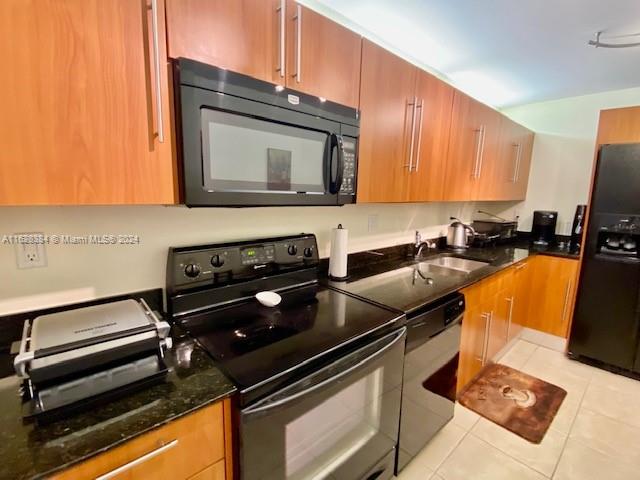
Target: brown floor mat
[(514, 400)]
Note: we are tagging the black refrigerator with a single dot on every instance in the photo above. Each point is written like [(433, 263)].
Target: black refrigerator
[(606, 319)]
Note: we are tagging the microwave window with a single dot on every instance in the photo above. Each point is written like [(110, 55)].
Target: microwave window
[(244, 154)]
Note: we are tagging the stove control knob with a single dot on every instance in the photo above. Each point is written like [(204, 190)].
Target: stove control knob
[(308, 252), (292, 249), (192, 270), (217, 261)]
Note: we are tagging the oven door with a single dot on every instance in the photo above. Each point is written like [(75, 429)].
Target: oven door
[(340, 422), (241, 152)]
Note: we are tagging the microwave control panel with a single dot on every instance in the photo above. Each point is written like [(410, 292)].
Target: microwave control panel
[(349, 149)]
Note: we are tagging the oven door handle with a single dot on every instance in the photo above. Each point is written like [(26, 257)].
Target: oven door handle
[(336, 143), (268, 404)]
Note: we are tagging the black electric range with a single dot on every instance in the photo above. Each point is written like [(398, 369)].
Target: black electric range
[(320, 361)]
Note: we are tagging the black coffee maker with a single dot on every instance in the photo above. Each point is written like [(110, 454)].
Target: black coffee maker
[(543, 230)]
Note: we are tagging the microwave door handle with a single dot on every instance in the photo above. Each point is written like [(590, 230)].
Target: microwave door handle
[(336, 142), (266, 404)]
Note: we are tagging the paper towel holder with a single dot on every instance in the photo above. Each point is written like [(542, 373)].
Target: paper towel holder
[(333, 277)]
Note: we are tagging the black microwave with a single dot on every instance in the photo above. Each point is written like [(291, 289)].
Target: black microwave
[(245, 142)]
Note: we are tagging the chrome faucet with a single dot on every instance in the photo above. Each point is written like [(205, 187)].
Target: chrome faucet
[(419, 244)]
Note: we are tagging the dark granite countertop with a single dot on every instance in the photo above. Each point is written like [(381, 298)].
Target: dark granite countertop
[(367, 264), (30, 451)]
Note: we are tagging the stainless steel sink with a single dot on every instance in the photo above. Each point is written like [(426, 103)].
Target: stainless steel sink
[(455, 263)]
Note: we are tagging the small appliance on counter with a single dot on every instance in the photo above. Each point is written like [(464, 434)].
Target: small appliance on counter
[(494, 231), (577, 228), (294, 361), (76, 358), (459, 234), (543, 230)]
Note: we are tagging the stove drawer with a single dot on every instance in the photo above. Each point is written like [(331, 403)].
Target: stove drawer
[(178, 450)]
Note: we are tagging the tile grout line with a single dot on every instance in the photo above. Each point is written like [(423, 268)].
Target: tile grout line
[(510, 456), (436, 471), (566, 440)]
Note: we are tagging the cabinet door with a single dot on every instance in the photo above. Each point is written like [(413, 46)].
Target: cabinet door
[(81, 113), (323, 57), (553, 283), (619, 125), (524, 140), (499, 323), (245, 36), (521, 297), (431, 142), (491, 174), (472, 149), (386, 101), (475, 326)]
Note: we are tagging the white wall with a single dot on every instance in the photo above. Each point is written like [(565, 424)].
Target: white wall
[(563, 152), (78, 272)]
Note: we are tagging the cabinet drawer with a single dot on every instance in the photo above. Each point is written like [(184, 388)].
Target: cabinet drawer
[(179, 450), (214, 472)]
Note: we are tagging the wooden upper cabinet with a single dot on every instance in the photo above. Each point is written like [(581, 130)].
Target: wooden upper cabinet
[(619, 125), (433, 123), (323, 57), (245, 36), (277, 41), (510, 173), (80, 110), (473, 149), (386, 102)]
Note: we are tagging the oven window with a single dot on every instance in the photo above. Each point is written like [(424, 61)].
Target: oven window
[(245, 154), (323, 438)]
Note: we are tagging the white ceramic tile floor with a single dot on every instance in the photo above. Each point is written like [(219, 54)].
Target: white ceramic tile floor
[(595, 435)]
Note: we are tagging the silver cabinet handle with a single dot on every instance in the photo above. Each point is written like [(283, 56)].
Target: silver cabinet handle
[(413, 133), (298, 19), (510, 300), (138, 461), (483, 133), (479, 150), (566, 299), (156, 66), (515, 163), (521, 266), (485, 342), (282, 14), (421, 107), (516, 168)]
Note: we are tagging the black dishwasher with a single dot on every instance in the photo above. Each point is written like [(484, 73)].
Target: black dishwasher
[(430, 374)]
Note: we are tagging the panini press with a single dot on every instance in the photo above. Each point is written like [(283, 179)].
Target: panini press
[(79, 357)]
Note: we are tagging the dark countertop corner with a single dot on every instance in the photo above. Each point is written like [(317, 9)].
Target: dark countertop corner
[(30, 451)]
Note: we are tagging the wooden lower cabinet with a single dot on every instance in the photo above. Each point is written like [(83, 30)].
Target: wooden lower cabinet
[(192, 447), (494, 316), (553, 283)]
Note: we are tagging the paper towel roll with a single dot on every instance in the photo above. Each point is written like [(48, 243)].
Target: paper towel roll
[(338, 257)]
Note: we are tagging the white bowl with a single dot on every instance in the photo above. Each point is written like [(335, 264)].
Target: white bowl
[(268, 299)]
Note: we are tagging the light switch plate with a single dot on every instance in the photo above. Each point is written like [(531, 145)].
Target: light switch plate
[(31, 255), (372, 225)]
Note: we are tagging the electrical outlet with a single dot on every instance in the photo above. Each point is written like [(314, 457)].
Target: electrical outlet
[(31, 255), (373, 223)]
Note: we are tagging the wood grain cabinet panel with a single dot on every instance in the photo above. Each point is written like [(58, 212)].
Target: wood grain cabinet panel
[(240, 35), (431, 143), (473, 149), (323, 57), (472, 344), (386, 101), (521, 297), (80, 121), (553, 285), (619, 125), (190, 447)]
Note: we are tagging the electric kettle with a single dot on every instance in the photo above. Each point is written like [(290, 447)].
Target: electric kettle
[(459, 234)]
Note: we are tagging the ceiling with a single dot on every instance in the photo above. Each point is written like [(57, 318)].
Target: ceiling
[(504, 52)]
